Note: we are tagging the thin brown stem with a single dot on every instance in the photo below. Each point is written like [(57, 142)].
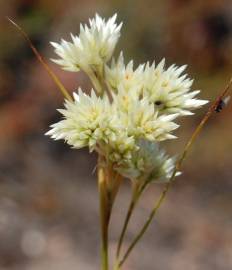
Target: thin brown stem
[(108, 184), (133, 202), (192, 139), (95, 81), (104, 214), (55, 79), (144, 228), (136, 194)]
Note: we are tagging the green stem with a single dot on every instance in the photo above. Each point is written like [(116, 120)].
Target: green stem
[(105, 211), (187, 147), (144, 228), (96, 83), (116, 266), (105, 240), (136, 194), (108, 185), (125, 225), (134, 199)]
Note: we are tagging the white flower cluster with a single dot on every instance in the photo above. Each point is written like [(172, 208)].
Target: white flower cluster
[(148, 164), (134, 113), (92, 48), (166, 89)]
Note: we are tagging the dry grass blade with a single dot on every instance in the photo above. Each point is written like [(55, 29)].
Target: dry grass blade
[(187, 147), (42, 61)]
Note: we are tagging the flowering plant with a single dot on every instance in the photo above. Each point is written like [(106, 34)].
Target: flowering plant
[(125, 118)]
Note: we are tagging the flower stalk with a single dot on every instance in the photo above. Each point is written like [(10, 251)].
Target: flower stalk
[(108, 186), (136, 193), (95, 82), (125, 118), (179, 162), (53, 76), (105, 211)]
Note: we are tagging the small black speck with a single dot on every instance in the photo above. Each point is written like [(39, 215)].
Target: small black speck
[(158, 102)]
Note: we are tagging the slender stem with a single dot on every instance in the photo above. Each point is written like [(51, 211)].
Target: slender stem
[(96, 83), (104, 255), (144, 228), (125, 225), (105, 211), (55, 79), (136, 194), (105, 240), (108, 185), (134, 199), (177, 168), (101, 77), (116, 266), (137, 190)]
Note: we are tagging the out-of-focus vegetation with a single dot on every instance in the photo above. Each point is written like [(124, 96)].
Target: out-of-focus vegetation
[(48, 194)]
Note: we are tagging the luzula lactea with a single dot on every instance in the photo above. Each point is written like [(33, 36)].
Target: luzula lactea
[(128, 113)]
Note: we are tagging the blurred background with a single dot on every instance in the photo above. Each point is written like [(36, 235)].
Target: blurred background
[(48, 192)]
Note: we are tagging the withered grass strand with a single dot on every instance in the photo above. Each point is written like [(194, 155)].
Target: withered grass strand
[(56, 80), (166, 122), (192, 139)]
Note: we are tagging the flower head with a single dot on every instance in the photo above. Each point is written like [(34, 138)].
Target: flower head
[(140, 118), (86, 121), (119, 74), (168, 90), (140, 111), (92, 48), (148, 163)]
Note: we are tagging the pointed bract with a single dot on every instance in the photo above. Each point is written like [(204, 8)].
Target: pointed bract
[(142, 109), (92, 48)]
